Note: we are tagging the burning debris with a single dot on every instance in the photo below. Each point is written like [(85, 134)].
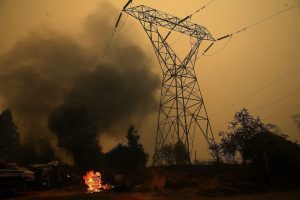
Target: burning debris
[(95, 184)]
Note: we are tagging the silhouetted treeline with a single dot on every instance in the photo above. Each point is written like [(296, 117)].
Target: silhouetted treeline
[(250, 140), (11, 148), (128, 159), (124, 158)]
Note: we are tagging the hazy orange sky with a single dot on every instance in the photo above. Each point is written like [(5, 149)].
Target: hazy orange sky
[(252, 60)]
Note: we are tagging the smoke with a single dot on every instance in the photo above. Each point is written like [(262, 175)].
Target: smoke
[(60, 96), (34, 77), (296, 118)]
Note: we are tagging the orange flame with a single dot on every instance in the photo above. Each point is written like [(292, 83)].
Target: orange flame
[(95, 184)]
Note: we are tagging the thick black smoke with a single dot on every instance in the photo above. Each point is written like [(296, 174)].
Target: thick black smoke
[(99, 101), (35, 75), (59, 94)]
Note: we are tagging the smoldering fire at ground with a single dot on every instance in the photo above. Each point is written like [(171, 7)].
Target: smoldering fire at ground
[(50, 80)]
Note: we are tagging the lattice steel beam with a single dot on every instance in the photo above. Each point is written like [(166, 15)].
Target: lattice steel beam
[(182, 112), (155, 17)]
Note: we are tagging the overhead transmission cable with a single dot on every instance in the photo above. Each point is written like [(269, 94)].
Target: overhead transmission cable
[(244, 29), (277, 101), (267, 18), (122, 25), (107, 47), (257, 91), (114, 31), (281, 112), (184, 19), (270, 104), (267, 117), (191, 15)]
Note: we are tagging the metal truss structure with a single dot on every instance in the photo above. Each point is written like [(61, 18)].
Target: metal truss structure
[(182, 112)]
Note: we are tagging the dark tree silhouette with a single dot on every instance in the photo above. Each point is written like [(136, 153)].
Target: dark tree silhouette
[(9, 136), (128, 158), (11, 149), (279, 152), (180, 153), (263, 144), (176, 154), (167, 152), (240, 130), (133, 139)]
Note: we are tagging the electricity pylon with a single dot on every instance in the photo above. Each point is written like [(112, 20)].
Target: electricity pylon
[(182, 112)]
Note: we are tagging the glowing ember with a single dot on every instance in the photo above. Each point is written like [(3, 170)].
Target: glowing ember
[(95, 184)]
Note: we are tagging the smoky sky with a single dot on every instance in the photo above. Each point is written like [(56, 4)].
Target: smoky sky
[(60, 94)]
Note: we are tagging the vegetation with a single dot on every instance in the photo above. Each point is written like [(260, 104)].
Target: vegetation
[(11, 148), (176, 154), (128, 158), (9, 136), (240, 130), (251, 140), (279, 152)]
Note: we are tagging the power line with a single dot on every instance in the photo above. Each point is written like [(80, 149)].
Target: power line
[(114, 31), (281, 112), (176, 40), (257, 91), (276, 101), (261, 108), (246, 28), (268, 117), (266, 19), (188, 17), (203, 7), (212, 54), (107, 46), (123, 24)]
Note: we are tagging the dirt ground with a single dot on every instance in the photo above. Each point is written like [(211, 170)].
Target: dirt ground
[(158, 195), (180, 183)]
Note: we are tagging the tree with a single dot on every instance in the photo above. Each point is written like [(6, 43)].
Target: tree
[(167, 153), (130, 157), (9, 136), (180, 153), (263, 144), (176, 154), (240, 130), (117, 159), (133, 139), (277, 149), (11, 149)]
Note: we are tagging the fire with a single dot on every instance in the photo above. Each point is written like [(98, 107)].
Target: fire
[(95, 184)]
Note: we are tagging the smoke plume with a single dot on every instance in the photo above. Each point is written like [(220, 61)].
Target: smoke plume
[(60, 96)]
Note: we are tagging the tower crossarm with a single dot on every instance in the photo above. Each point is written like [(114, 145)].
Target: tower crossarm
[(150, 15)]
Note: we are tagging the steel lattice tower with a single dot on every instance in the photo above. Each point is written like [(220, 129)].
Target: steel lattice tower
[(182, 112)]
